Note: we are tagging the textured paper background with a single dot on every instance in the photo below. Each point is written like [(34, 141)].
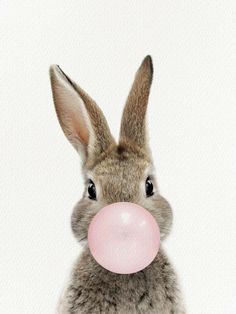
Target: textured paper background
[(192, 123)]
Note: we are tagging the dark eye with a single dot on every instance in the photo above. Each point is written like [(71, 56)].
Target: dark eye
[(92, 190), (149, 187)]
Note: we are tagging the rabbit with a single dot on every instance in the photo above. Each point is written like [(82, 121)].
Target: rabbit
[(122, 172)]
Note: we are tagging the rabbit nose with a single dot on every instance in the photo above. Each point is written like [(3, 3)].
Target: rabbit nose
[(124, 237)]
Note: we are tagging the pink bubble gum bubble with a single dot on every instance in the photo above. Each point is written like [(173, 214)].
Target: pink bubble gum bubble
[(124, 237)]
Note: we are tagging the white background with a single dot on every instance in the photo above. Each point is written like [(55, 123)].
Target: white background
[(192, 127)]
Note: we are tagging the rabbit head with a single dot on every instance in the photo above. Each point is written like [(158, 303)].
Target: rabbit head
[(112, 172)]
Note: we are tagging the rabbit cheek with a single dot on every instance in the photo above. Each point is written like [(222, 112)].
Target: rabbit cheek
[(161, 211), (81, 217)]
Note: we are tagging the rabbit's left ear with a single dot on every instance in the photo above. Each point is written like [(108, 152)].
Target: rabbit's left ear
[(133, 128), (80, 117)]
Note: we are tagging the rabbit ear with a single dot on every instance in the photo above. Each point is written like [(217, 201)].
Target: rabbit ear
[(133, 119), (80, 118)]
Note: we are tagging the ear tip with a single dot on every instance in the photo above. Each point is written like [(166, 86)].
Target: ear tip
[(148, 58), (56, 73), (53, 69), (148, 64)]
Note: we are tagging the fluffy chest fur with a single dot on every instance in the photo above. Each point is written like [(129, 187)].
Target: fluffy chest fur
[(93, 289)]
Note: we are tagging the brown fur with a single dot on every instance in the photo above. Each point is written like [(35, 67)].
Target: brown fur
[(119, 172)]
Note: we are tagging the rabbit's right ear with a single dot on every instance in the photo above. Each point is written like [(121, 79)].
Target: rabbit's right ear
[(81, 119), (133, 127)]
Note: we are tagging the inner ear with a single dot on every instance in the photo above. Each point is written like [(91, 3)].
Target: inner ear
[(73, 117), (77, 115), (70, 110)]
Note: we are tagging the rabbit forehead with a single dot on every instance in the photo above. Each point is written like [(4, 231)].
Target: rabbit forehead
[(118, 179), (129, 166)]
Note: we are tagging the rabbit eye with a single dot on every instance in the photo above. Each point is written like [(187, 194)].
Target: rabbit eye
[(149, 187), (92, 190)]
